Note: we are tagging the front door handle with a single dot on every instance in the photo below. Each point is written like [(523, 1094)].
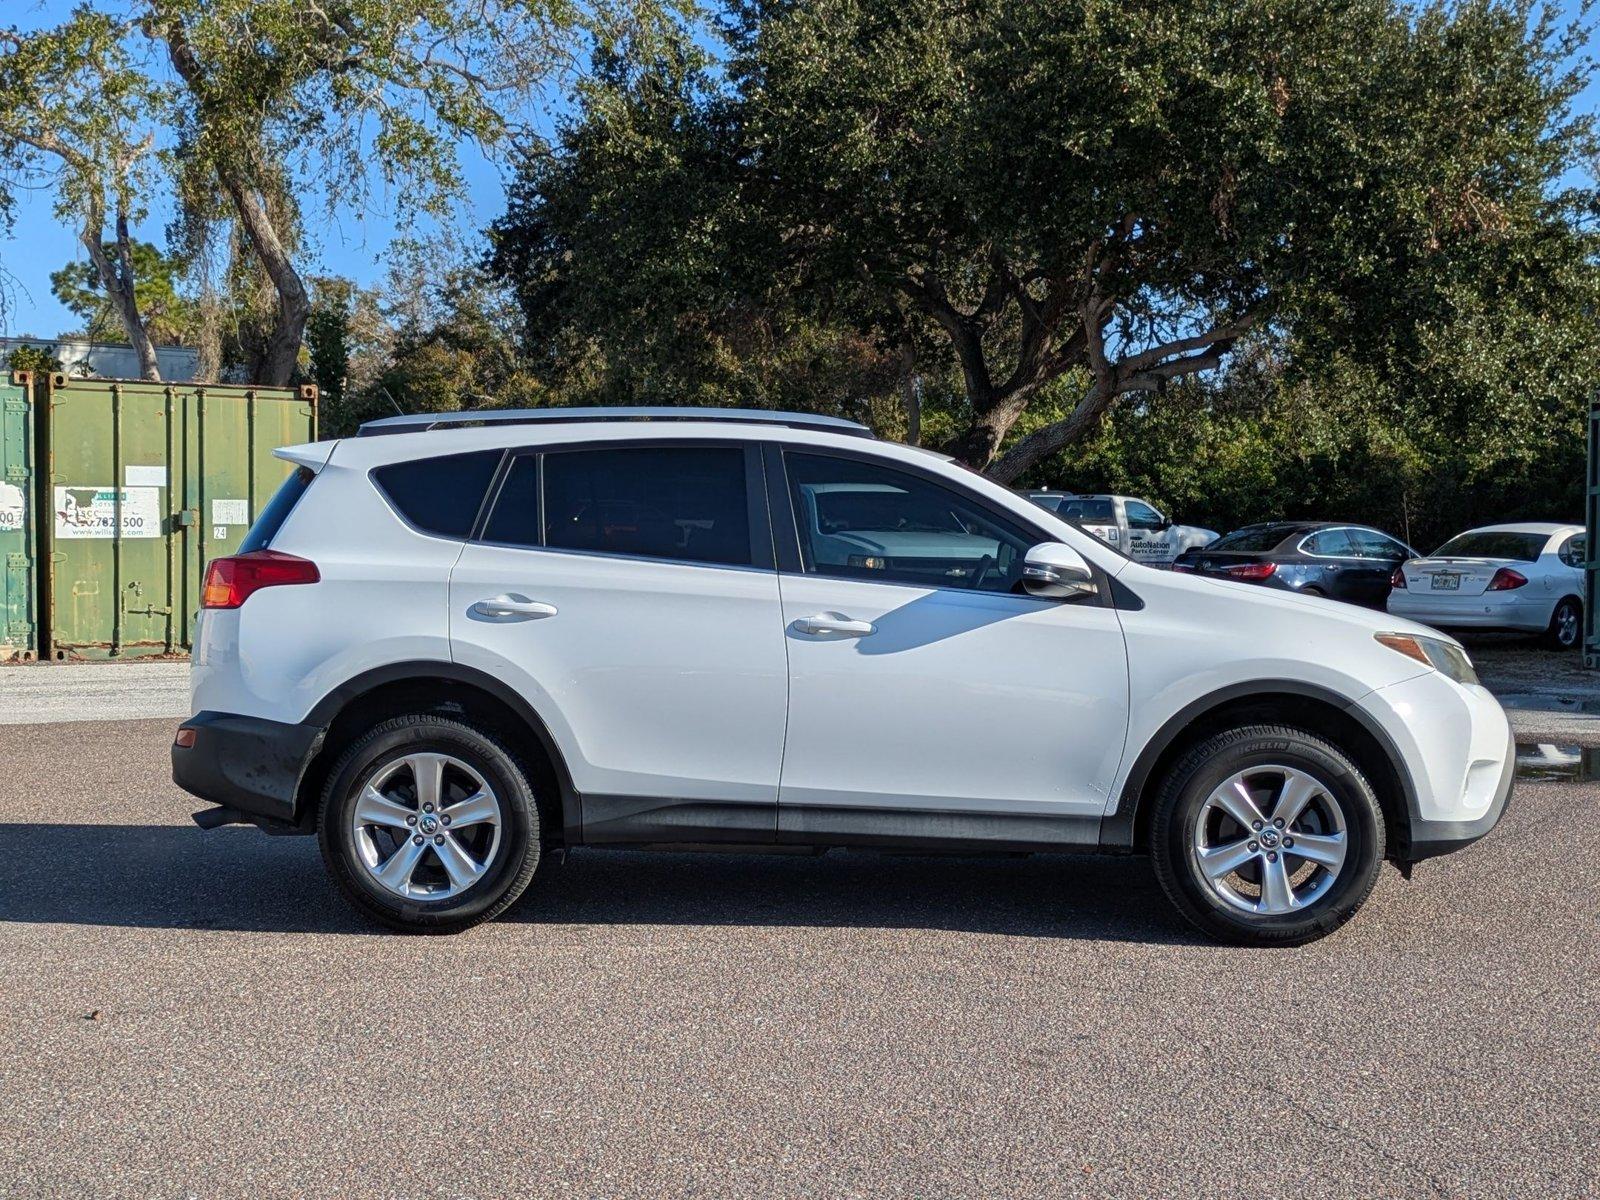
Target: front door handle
[(514, 606), (833, 623)]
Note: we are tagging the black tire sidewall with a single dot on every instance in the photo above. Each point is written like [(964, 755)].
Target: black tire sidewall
[(519, 830), (1227, 754), (1553, 634)]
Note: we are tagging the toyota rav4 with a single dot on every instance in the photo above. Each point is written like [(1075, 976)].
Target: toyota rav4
[(453, 646)]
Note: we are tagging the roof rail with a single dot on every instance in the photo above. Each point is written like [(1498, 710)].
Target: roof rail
[(542, 416)]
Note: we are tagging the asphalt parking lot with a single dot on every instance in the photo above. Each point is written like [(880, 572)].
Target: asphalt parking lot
[(195, 1014)]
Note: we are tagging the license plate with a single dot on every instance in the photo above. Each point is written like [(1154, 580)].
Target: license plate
[(1447, 583)]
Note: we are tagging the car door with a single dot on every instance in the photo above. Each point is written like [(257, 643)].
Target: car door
[(628, 592), (929, 699), (1148, 530), (1379, 555)]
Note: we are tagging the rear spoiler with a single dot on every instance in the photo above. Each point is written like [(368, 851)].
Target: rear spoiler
[(313, 456)]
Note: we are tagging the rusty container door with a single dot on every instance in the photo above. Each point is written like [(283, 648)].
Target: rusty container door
[(147, 483), (18, 589)]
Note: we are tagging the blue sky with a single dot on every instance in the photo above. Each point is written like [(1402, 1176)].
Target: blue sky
[(350, 244)]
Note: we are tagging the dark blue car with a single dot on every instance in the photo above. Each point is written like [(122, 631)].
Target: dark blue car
[(1315, 558)]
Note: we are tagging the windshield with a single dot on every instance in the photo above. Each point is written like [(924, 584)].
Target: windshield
[(1491, 543), (1256, 537), (1097, 509)]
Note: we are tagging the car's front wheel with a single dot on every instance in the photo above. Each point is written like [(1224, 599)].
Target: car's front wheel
[(1267, 835), (429, 825)]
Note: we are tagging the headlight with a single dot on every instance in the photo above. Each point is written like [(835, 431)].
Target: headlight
[(1445, 657)]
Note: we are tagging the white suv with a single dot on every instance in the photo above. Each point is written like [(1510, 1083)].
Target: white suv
[(452, 646)]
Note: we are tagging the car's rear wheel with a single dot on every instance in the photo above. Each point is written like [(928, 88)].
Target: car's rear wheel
[(1267, 835), (429, 825), (1566, 625)]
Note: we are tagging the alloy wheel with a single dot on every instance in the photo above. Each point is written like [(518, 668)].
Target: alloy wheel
[(1270, 840), (426, 826)]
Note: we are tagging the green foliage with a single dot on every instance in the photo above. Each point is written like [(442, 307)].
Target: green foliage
[(33, 358), (1047, 207), (169, 316)]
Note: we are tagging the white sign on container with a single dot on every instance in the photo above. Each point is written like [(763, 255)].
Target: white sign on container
[(91, 512)]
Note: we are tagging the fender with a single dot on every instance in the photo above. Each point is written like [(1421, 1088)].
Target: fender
[(1118, 826), (330, 706)]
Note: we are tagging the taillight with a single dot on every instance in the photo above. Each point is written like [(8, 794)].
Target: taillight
[(1505, 579), (1252, 570), (232, 581), (1183, 568), (1398, 579)]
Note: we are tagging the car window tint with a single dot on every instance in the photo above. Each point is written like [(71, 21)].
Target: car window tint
[(1093, 511), (1369, 543), (677, 502), (859, 520), (515, 519), (1141, 515), (1331, 543), (1572, 553), (1495, 543), (440, 495), (1253, 537), (277, 511)]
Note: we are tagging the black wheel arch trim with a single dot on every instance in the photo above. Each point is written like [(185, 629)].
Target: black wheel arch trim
[(1118, 828), (336, 701)]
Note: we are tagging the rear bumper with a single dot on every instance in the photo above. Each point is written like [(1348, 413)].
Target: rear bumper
[(247, 764), (1485, 612)]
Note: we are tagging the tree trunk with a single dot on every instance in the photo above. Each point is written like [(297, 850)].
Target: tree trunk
[(281, 354), (117, 279), (913, 390)]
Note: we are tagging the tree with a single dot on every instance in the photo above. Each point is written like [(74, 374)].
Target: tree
[(167, 314), (1094, 193), (77, 107)]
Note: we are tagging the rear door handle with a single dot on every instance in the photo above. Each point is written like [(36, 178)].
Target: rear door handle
[(833, 623), (515, 607)]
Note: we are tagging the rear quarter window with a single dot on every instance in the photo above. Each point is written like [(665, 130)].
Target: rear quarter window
[(440, 495), (277, 511)]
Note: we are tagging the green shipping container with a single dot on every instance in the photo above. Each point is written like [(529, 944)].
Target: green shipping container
[(146, 483), (17, 525)]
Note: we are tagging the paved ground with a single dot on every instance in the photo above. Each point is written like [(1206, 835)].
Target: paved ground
[(40, 693), (196, 1014)]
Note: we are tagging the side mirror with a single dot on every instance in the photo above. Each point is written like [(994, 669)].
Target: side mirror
[(1054, 571)]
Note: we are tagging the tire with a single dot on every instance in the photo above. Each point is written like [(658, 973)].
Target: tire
[(449, 880), (1341, 817), (1312, 591), (1566, 625)]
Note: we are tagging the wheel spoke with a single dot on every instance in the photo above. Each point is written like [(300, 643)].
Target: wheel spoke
[(1235, 800), (1324, 848), (427, 771), (1277, 893), (477, 809), (1219, 862), (374, 808), (1298, 791), (462, 868), (396, 873)]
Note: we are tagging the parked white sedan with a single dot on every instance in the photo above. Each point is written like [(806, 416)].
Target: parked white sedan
[(1527, 578)]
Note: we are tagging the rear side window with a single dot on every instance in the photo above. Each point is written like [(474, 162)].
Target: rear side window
[(277, 511), (1332, 543), (679, 502), (439, 495), (1092, 511)]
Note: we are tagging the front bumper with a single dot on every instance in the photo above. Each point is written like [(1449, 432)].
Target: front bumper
[(1429, 839), (249, 765)]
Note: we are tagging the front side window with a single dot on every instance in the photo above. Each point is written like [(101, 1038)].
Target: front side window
[(859, 520), (1142, 516), (1370, 543), (440, 495), (675, 502)]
